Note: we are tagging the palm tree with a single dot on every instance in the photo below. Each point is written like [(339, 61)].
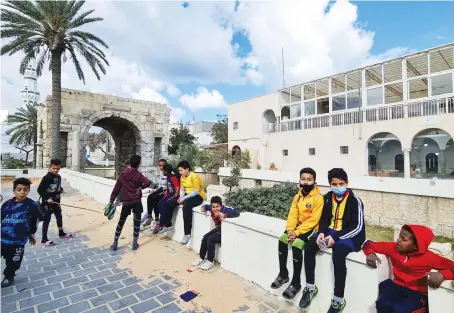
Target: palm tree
[(48, 31), (25, 130)]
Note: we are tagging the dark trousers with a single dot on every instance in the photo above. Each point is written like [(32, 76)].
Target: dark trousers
[(167, 206), (136, 209), (209, 242), (340, 252), (152, 204), (56, 210), (297, 252), (13, 256), (188, 205), (393, 298)]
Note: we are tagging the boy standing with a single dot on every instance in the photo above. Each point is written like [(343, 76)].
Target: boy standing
[(154, 198), (130, 183), (50, 190), (341, 228), (305, 213), (412, 264), (218, 212), (20, 216)]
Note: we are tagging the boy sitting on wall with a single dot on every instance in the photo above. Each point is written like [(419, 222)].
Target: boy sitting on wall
[(302, 221), (412, 264), (219, 212)]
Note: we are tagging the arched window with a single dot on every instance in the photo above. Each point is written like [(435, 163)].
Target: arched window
[(269, 122), (285, 113), (382, 151), (236, 151), (399, 163), (432, 154)]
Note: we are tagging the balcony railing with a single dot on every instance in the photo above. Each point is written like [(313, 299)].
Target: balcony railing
[(375, 114)]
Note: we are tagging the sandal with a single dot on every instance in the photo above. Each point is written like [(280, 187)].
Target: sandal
[(291, 292), (278, 282), (48, 243), (67, 235)]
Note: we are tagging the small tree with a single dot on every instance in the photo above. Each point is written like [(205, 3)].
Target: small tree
[(102, 141), (180, 136), (220, 129), (234, 179), (27, 151)]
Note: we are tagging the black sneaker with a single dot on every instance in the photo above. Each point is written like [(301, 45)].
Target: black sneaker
[(135, 245), (308, 295), (337, 307), (7, 282), (114, 246)]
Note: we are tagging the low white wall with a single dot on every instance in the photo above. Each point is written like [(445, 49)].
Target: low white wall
[(101, 172), (411, 186), (250, 250), (32, 173)]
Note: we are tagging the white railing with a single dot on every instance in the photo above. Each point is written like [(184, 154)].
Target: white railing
[(372, 114)]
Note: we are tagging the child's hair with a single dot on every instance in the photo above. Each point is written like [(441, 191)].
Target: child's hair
[(168, 168), (308, 170), (338, 173), (135, 161), (162, 160), (127, 163), (55, 162), (413, 237), (184, 164), (22, 181), (216, 199)]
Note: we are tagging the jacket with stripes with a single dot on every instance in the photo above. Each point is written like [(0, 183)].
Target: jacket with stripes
[(353, 226)]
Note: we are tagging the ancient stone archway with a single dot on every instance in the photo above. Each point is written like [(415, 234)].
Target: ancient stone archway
[(137, 127)]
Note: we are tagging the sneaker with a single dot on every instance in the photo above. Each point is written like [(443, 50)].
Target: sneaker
[(7, 282), (114, 246), (147, 222), (165, 230), (156, 229), (65, 235), (135, 245), (207, 265), (185, 240), (197, 262), (145, 217), (307, 296), (337, 307)]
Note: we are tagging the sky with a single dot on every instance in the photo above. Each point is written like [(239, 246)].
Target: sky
[(200, 56)]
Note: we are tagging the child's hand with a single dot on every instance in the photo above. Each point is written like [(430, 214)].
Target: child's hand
[(329, 242), (320, 237), (32, 240), (291, 235), (50, 201), (434, 279), (180, 201), (373, 260)]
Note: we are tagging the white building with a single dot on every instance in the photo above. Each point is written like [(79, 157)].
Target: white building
[(200, 130), (389, 119)]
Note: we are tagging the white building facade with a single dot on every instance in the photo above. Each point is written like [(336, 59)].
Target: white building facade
[(201, 130), (394, 119)]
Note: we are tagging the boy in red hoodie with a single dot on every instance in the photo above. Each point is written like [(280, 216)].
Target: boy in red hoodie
[(412, 264), (130, 183)]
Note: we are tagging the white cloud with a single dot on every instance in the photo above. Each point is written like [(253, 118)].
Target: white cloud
[(203, 99), (173, 91), (176, 114), (149, 94)]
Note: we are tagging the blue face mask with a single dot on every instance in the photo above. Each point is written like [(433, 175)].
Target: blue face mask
[(339, 191)]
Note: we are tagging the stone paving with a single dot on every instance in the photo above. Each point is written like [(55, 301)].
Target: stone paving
[(73, 278)]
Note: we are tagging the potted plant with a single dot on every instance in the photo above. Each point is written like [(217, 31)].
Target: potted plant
[(273, 167)]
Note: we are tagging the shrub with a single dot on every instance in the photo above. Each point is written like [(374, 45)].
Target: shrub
[(270, 201)]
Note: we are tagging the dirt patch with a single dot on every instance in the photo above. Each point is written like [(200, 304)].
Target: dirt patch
[(8, 180)]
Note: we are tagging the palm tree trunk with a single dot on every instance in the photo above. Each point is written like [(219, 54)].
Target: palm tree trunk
[(56, 106), (26, 157), (35, 150)]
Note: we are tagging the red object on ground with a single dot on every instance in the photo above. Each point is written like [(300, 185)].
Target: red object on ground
[(189, 270)]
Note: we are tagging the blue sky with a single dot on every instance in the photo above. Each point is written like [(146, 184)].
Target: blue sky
[(200, 56)]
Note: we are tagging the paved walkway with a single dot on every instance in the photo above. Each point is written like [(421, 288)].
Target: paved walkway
[(73, 278)]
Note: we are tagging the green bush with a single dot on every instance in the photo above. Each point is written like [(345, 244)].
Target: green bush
[(270, 201), (16, 164)]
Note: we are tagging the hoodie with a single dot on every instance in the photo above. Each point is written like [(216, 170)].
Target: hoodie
[(227, 212), (128, 183), (410, 270)]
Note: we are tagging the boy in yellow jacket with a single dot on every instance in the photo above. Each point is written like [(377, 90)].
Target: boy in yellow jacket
[(302, 223)]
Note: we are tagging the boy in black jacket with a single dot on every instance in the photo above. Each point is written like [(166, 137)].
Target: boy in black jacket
[(341, 228), (20, 216), (50, 189)]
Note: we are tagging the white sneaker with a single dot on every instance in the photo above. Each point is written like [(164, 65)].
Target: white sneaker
[(185, 240), (144, 218), (207, 265), (165, 230), (197, 262)]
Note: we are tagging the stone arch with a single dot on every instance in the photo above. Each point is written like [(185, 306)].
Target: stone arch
[(268, 121), (383, 148), (429, 157), (127, 132)]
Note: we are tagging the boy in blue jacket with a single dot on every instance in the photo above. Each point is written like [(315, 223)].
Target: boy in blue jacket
[(219, 212), (20, 216)]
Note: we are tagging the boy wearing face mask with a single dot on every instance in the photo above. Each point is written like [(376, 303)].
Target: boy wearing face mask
[(341, 228), (302, 222)]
